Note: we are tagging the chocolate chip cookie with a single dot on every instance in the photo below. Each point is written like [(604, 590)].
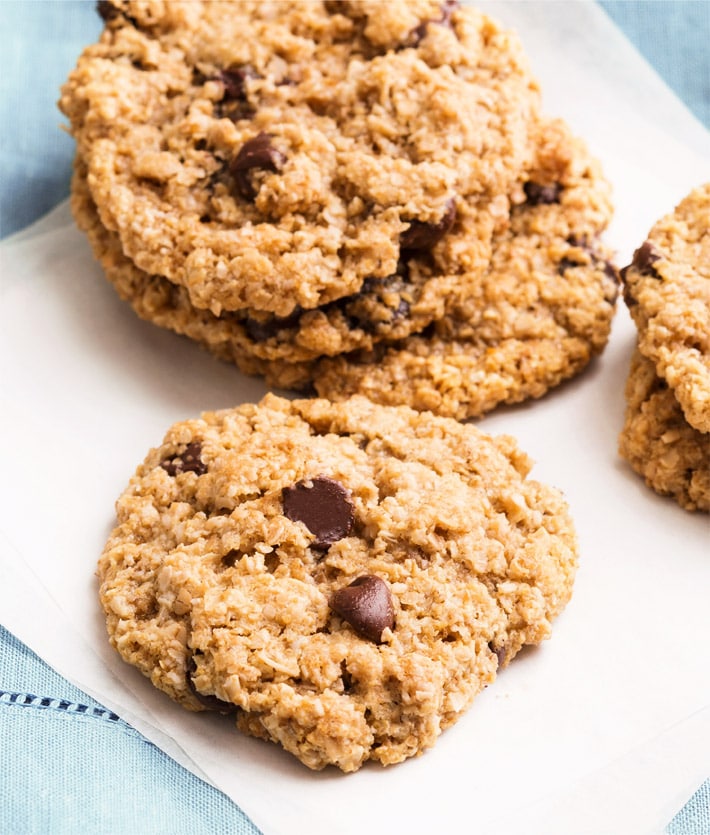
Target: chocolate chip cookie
[(391, 308), (533, 317), (341, 578), (667, 290), (658, 442), (537, 316), (277, 156)]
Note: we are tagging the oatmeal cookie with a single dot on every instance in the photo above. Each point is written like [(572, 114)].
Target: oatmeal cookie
[(543, 307), (272, 156), (536, 317), (390, 308), (667, 290), (659, 443), (343, 578)]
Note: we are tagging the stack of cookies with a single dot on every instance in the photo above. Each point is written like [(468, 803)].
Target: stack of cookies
[(343, 197), (666, 433), (362, 201)]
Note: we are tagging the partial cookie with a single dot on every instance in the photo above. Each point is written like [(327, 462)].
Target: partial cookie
[(344, 578), (541, 311), (539, 314), (270, 156), (390, 308), (667, 290), (659, 443)]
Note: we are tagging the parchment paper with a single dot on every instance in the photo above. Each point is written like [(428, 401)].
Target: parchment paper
[(605, 728)]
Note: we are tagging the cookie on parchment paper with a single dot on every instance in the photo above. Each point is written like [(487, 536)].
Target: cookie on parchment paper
[(537, 316), (390, 308), (271, 156), (343, 578), (539, 313), (658, 442), (667, 290)]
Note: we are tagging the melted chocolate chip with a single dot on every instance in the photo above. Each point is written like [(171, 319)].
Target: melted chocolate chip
[(323, 505), (499, 652), (372, 308), (366, 604), (106, 10), (629, 300), (566, 264), (422, 235), (538, 195), (256, 153), (234, 104), (644, 259), (234, 80), (209, 701), (187, 461), (611, 271), (263, 331)]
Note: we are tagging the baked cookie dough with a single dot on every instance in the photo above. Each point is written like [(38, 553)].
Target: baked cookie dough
[(390, 308), (271, 156), (343, 578), (537, 316), (541, 310), (667, 290), (659, 443)]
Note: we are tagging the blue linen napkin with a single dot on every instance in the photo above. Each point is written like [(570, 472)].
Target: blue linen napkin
[(694, 817), (71, 766), (68, 765)]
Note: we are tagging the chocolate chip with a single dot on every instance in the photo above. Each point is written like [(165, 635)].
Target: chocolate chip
[(380, 302), (234, 80), (422, 235), (366, 604), (268, 329), (629, 300), (323, 505), (499, 652), (611, 271), (448, 7), (566, 264), (209, 701), (256, 153), (538, 195), (187, 461), (106, 10), (234, 104), (644, 259)]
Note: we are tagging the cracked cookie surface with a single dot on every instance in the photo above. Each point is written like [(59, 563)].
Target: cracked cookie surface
[(537, 316), (667, 290), (344, 578), (271, 156), (390, 308)]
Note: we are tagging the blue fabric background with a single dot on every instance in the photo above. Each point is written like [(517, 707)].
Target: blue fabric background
[(67, 765)]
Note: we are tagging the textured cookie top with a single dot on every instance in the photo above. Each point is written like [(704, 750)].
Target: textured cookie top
[(536, 317), (660, 445), (346, 577), (667, 289), (273, 155), (390, 308)]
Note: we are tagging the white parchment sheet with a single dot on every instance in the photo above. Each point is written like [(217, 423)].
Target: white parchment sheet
[(604, 728)]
